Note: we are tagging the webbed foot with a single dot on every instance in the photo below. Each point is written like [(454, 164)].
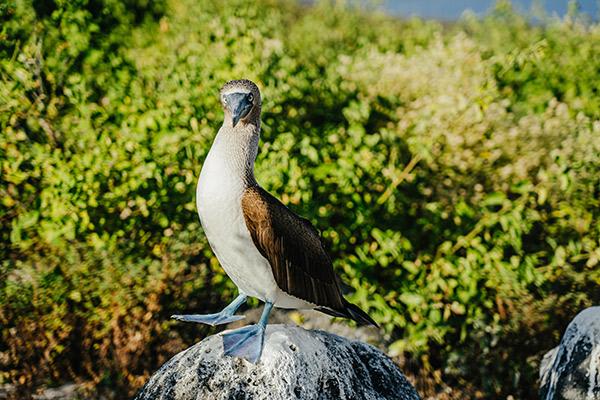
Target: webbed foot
[(226, 315), (246, 342), (209, 319)]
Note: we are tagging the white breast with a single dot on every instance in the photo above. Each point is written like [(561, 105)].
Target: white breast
[(218, 199)]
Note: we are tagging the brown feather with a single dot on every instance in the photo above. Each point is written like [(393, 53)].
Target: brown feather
[(293, 247)]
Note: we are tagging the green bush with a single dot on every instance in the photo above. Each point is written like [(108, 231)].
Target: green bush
[(452, 170)]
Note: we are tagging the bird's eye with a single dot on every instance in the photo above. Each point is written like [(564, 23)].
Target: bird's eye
[(250, 97), (224, 100)]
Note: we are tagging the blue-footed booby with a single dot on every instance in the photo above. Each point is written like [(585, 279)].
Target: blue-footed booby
[(268, 251)]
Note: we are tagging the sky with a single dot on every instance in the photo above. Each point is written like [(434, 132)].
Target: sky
[(453, 9)]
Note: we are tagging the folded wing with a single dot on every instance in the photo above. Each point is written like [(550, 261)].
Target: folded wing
[(294, 249)]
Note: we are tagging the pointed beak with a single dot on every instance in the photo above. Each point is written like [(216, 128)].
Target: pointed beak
[(239, 105)]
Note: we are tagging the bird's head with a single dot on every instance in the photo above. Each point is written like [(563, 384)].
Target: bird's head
[(241, 101)]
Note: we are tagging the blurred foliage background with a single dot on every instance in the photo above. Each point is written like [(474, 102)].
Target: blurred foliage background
[(453, 169)]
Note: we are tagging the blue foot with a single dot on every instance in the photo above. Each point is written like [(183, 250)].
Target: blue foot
[(208, 319), (246, 342), (226, 316)]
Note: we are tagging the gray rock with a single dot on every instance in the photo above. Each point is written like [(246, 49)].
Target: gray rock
[(572, 370), (295, 364), (64, 392)]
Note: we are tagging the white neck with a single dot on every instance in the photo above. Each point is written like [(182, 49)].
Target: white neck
[(232, 154)]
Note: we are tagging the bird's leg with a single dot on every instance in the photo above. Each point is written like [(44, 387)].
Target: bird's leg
[(226, 316), (247, 342)]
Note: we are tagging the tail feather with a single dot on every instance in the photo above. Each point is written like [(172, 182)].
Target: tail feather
[(351, 311), (359, 315)]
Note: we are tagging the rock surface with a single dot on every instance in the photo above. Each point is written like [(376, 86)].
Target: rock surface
[(295, 364), (572, 370)]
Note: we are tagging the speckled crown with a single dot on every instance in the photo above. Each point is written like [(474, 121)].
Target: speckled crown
[(242, 85)]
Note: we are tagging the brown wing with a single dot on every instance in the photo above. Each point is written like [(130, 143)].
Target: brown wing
[(293, 247)]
